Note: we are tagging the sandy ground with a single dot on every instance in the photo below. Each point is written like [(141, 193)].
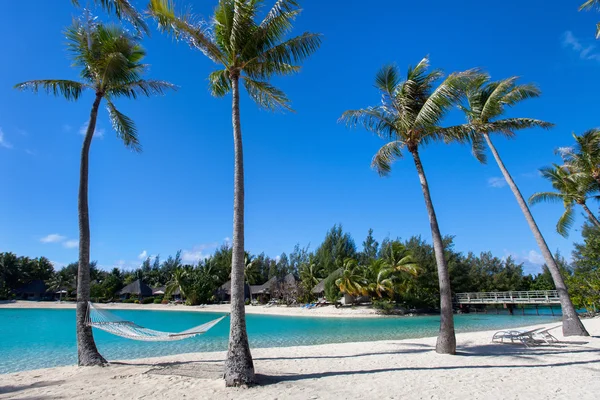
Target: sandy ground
[(404, 369), (325, 311)]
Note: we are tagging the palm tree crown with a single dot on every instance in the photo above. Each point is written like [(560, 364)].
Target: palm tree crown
[(583, 159), (410, 112), (111, 67), (244, 48), (486, 102), (570, 191)]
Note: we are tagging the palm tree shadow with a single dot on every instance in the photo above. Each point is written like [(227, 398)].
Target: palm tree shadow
[(35, 385), (263, 379)]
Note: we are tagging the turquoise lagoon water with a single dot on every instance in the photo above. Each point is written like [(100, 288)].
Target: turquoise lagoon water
[(41, 338)]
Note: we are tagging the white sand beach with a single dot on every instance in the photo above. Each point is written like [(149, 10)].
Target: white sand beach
[(296, 311), (403, 369)]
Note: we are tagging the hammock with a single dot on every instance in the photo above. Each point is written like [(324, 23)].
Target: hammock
[(112, 324)]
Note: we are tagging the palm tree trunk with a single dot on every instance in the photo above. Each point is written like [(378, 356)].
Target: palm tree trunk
[(591, 215), (86, 347), (239, 368), (572, 326), (446, 341)]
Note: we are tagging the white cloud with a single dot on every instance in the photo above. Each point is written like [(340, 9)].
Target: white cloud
[(197, 253), (58, 265), (30, 152), (586, 52), (53, 238), (71, 244), (532, 260), (227, 240), (496, 182), (98, 133), (143, 255), (3, 142), (535, 258)]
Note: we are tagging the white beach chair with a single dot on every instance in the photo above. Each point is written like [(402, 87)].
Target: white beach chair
[(545, 336), (520, 337)]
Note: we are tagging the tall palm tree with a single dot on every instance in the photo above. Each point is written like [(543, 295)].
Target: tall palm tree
[(570, 191), (583, 159), (409, 117), (591, 4), (486, 102), (111, 67), (123, 9), (252, 52)]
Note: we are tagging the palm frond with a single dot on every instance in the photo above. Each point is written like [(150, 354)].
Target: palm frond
[(549, 197), (70, 90), (141, 87), (266, 95), (373, 119), (291, 51), (387, 80), (440, 101), (566, 221), (185, 27), (219, 83), (385, 156), (124, 126), (123, 9)]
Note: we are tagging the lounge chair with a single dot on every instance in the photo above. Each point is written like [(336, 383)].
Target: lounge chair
[(545, 336), (523, 337)]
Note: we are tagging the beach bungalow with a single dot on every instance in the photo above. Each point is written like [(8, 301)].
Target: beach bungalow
[(161, 290), (319, 289), (136, 289), (262, 293), (34, 290), (223, 293)]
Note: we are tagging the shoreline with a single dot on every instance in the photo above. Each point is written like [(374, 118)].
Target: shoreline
[(395, 369), (323, 312)]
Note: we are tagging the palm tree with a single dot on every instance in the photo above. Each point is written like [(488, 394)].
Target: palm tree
[(310, 274), (111, 67), (252, 52), (570, 191), (409, 117), (179, 280), (380, 278), (583, 160), (122, 9), (591, 4), (486, 103), (351, 280), (251, 273)]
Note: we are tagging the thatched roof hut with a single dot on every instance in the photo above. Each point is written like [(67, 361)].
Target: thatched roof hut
[(137, 288)]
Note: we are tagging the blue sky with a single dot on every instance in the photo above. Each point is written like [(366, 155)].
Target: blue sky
[(304, 171)]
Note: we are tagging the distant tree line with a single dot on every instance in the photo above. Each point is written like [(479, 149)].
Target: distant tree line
[(397, 271)]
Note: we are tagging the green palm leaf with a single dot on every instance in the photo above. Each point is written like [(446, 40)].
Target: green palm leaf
[(70, 90)]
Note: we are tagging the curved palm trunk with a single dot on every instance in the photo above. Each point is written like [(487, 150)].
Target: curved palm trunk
[(86, 347), (591, 215), (239, 368), (446, 341), (572, 326)]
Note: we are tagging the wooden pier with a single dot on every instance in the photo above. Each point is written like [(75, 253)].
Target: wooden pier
[(509, 300)]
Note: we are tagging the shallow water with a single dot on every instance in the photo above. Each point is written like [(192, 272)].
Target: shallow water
[(41, 338)]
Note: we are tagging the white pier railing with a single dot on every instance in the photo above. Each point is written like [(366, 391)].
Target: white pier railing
[(516, 297)]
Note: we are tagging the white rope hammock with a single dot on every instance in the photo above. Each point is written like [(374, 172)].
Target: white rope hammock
[(109, 322)]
